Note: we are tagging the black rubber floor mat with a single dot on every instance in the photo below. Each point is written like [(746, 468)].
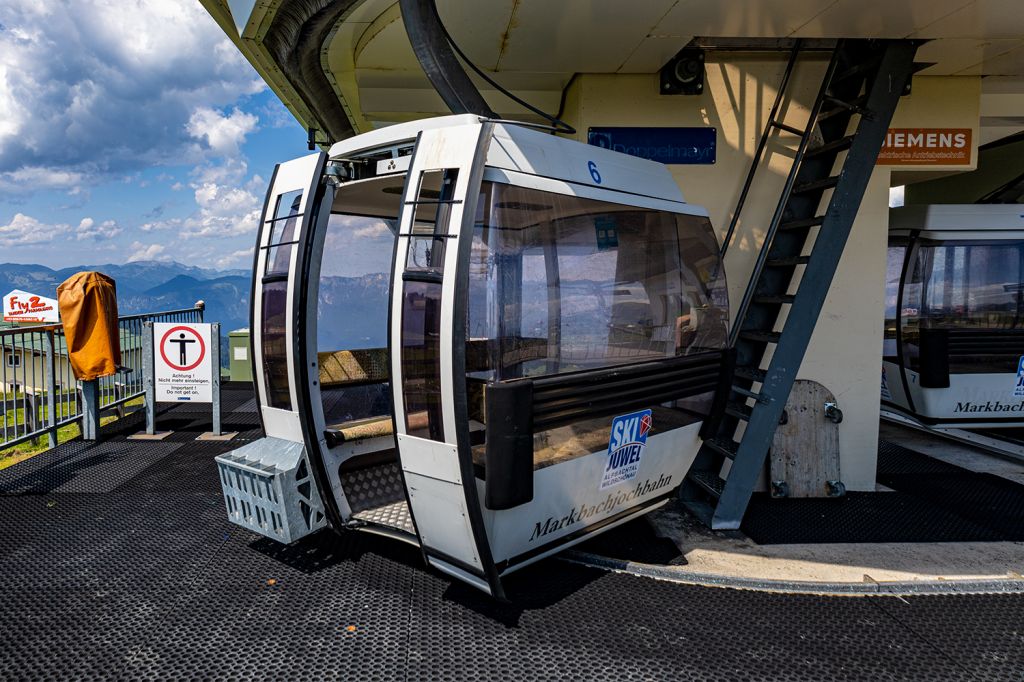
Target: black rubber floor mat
[(857, 517), (934, 501), (987, 500), (634, 541), (150, 581), (81, 467), (895, 459), (986, 639), (248, 406)]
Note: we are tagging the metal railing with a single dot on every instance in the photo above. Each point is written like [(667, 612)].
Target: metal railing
[(38, 392)]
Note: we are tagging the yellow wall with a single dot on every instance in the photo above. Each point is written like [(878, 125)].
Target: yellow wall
[(940, 102), (845, 350), (34, 376), (31, 374)]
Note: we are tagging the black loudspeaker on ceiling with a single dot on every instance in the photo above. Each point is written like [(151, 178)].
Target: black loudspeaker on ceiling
[(684, 73)]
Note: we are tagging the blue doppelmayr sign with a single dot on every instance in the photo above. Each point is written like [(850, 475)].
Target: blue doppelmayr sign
[(664, 145)]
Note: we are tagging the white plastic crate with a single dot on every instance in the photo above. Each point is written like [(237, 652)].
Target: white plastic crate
[(269, 489)]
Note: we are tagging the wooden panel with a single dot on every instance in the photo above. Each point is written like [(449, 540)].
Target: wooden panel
[(341, 367), (805, 450)]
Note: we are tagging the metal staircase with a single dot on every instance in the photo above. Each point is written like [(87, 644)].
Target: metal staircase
[(794, 268)]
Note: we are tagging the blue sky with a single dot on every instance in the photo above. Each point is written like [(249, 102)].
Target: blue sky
[(131, 131)]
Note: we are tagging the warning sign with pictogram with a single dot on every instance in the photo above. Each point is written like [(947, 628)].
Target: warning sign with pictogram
[(183, 368)]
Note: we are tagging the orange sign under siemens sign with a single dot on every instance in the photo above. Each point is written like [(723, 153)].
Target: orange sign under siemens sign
[(926, 147)]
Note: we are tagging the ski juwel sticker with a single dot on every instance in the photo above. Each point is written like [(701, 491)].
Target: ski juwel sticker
[(626, 447), (1018, 390)]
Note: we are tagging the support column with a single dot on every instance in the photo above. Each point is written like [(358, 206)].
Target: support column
[(90, 409), (147, 378), (51, 390), (215, 361)]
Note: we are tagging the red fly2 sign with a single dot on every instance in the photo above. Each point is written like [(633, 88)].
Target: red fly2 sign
[(183, 365), (21, 306)]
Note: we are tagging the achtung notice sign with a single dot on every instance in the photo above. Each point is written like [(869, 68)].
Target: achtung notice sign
[(926, 147), (183, 366)]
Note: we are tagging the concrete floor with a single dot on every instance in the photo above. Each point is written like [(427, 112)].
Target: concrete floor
[(734, 556)]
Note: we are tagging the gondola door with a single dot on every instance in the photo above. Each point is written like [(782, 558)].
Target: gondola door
[(427, 349), (288, 217)]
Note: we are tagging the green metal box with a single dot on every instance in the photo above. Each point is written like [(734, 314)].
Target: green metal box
[(240, 363)]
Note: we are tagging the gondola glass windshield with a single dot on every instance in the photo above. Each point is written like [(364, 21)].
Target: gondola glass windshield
[(352, 316), (559, 284), (971, 294)]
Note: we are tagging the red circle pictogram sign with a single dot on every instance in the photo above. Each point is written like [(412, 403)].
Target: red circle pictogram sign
[(186, 336)]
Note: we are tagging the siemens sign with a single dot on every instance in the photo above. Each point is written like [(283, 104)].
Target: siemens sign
[(664, 145)]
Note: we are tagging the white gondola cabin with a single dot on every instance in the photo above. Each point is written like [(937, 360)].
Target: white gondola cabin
[(479, 338), (954, 327)]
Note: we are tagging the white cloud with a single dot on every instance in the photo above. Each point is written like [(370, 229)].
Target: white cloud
[(224, 134), (36, 178), (223, 212), (90, 229), (97, 89), (235, 258), (24, 230), (231, 170), (227, 204), (140, 251), (355, 245), (373, 231), (223, 201), (276, 115)]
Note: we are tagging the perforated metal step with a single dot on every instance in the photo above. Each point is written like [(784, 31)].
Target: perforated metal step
[(394, 515), (372, 486), (376, 495)]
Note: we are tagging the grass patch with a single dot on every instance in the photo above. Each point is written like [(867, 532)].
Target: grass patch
[(19, 453)]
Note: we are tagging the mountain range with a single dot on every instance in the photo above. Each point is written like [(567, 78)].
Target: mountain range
[(353, 310), (149, 286)]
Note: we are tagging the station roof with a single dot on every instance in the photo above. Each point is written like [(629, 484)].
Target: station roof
[(346, 66)]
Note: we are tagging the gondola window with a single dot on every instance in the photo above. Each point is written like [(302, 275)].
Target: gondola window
[(561, 284), (959, 287)]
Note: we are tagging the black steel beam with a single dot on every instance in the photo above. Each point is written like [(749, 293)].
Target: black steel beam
[(295, 37), (435, 55)]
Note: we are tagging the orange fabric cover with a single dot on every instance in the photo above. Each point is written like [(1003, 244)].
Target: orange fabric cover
[(88, 309)]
